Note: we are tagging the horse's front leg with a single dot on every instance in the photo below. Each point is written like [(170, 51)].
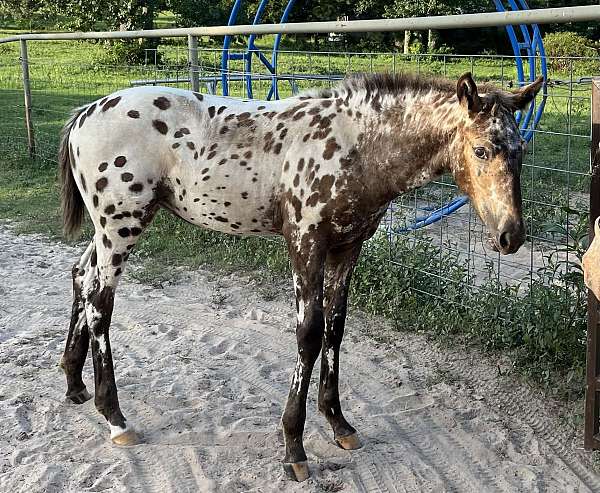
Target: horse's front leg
[(338, 271), (307, 269)]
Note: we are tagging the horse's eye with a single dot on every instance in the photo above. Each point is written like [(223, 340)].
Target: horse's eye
[(480, 152)]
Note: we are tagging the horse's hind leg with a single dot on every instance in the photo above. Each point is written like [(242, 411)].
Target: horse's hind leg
[(77, 344), (113, 248), (338, 271)]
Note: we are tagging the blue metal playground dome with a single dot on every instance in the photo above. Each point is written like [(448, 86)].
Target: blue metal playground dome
[(526, 42)]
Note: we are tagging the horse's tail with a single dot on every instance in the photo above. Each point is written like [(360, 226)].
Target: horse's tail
[(71, 201)]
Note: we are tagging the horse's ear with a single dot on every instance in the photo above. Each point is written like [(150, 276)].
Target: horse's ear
[(521, 98), (466, 90)]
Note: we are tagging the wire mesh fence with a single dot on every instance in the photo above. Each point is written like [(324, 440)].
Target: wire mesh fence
[(454, 252)]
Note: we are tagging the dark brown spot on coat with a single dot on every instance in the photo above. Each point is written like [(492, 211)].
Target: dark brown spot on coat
[(124, 232), (101, 184), (199, 96), (117, 259), (136, 187), (111, 103), (95, 200), (109, 209), (160, 126), (331, 146), (127, 177), (102, 221), (82, 179), (162, 103), (211, 111), (106, 242), (94, 258), (133, 114), (313, 199), (120, 161), (221, 109), (102, 167)]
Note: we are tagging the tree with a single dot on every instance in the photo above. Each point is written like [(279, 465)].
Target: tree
[(423, 8)]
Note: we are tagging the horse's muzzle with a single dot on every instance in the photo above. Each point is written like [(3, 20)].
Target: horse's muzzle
[(509, 238)]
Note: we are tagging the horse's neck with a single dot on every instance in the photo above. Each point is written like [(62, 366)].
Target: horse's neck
[(409, 138)]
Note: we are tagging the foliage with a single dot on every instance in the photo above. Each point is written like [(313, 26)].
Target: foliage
[(569, 44), (541, 323)]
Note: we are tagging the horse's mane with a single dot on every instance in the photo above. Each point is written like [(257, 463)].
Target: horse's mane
[(386, 83)]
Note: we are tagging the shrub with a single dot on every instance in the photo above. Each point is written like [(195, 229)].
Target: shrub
[(561, 47), (128, 52)]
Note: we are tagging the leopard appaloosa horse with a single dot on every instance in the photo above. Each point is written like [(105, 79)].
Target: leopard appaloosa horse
[(319, 169)]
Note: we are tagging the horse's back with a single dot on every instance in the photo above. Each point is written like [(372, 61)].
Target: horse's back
[(197, 154)]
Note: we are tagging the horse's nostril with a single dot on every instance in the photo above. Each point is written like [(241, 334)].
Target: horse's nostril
[(504, 240)]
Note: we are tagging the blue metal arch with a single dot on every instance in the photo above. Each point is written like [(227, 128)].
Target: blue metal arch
[(253, 50)]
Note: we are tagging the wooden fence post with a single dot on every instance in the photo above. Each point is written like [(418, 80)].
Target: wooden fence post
[(193, 57), (592, 403), (27, 94)]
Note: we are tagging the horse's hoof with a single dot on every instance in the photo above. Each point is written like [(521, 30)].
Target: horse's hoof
[(80, 397), (350, 442), (126, 438), (297, 471)]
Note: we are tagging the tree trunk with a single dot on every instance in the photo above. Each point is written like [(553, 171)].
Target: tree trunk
[(431, 40), (406, 42)]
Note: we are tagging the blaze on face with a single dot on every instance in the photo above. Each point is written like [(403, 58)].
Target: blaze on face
[(490, 150)]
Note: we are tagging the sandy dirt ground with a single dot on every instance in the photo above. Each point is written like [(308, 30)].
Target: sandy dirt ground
[(203, 366)]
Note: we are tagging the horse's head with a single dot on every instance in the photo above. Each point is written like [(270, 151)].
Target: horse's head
[(591, 263), (488, 156)]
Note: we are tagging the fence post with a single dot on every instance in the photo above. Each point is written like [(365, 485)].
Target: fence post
[(27, 94), (592, 402), (193, 57)]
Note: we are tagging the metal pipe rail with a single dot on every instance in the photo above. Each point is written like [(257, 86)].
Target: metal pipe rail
[(490, 19)]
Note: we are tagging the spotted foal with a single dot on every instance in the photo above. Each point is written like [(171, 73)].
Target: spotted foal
[(319, 169)]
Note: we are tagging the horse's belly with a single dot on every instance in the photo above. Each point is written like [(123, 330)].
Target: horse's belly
[(230, 207)]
